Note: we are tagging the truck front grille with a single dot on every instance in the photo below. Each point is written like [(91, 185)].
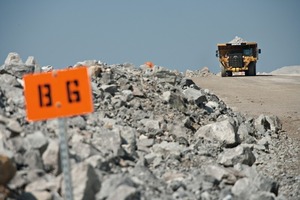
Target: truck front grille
[(236, 60)]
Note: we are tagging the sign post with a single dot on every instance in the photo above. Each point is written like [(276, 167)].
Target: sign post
[(64, 158), (59, 94)]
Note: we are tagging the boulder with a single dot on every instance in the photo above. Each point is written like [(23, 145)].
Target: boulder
[(51, 157), (38, 141), (195, 96), (112, 147), (124, 192), (85, 181), (240, 154), (31, 61), (111, 89), (33, 159), (264, 123), (175, 100), (13, 58), (110, 185), (47, 68), (220, 173), (14, 66), (94, 70), (223, 131), (168, 149)]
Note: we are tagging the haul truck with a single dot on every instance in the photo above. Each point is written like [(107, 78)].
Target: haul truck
[(238, 56)]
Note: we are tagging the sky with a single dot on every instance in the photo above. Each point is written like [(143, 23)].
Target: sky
[(176, 34)]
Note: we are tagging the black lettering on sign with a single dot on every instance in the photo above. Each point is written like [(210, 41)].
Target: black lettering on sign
[(45, 92), (73, 94)]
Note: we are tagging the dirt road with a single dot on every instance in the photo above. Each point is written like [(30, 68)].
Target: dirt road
[(277, 95)]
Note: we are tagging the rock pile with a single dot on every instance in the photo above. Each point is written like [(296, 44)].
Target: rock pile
[(237, 41), (204, 72), (153, 135)]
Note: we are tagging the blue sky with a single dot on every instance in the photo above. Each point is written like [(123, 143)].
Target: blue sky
[(176, 34)]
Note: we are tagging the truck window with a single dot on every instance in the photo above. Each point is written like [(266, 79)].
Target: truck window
[(247, 52)]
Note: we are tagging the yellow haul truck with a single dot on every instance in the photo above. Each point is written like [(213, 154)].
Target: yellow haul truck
[(238, 56)]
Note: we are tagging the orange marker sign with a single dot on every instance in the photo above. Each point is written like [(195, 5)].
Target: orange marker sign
[(60, 93)]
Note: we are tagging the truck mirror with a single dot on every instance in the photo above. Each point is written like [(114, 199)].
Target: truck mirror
[(259, 51), (217, 53)]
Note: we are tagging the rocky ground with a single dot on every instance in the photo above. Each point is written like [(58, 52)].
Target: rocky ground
[(154, 134)]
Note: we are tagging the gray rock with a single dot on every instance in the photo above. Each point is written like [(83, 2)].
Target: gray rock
[(175, 100), (47, 68), (85, 181), (166, 77), (128, 134), (264, 123), (112, 147), (151, 125), (246, 170), (9, 80), (31, 61), (97, 161), (51, 157), (16, 69), (15, 95), (195, 96), (106, 78), (124, 192), (77, 121), (83, 151), (14, 126), (43, 183), (212, 105), (275, 124), (13, 58), (187, 82), (240, 154), (266, 184), (262, 196), (137, 92), (145, 142), (38, 141), (33, 160), (168, 149), (112, 183), (261, 124), (222, 131), (243, 188), (220, 173), (4, 150), (17, 145), (34, 195), (255, 188), (166, 96), (128, 95), (244, 134), (111, 89)]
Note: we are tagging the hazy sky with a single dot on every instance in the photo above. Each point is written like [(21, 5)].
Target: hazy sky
[(177, 34)]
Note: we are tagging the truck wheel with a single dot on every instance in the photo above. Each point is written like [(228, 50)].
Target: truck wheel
[(252, 69), (223, 72)]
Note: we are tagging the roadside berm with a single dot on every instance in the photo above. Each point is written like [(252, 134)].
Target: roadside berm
[(154, 134)]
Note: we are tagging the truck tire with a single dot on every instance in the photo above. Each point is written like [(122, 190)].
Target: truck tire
[(252, 69), (223, 71)]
